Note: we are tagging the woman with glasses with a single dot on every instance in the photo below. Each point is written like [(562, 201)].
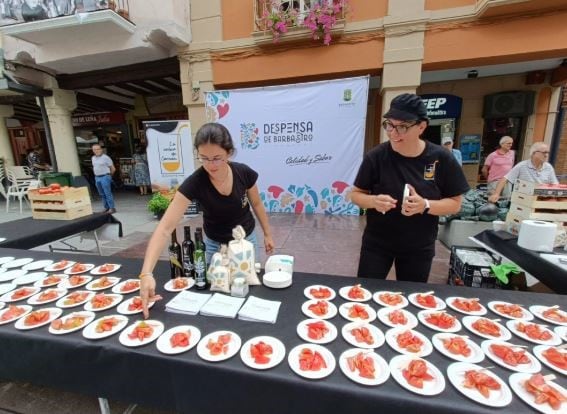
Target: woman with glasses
[(225, 191), (401, 227), (536, 170)]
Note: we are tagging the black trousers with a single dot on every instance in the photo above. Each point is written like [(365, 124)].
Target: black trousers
[(411, 266)]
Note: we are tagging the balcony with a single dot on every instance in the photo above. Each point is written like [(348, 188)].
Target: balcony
[(49, 25), (296, 31)]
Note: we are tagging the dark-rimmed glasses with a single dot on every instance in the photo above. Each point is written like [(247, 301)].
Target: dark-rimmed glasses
[(400, 129), (214, 161)]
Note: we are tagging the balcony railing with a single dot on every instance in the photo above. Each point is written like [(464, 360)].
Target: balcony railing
[(15, 12)]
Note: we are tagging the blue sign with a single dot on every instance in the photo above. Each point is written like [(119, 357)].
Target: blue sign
[(442, 106), (470, 148)]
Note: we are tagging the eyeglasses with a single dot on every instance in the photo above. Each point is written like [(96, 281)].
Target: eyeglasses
[(543, 152), (214, 161), (400, 129)]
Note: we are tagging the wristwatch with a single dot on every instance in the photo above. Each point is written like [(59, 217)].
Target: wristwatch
[(427, 206)]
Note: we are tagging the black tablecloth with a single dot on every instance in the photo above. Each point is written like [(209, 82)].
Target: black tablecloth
[(28, 232), (550, 275), (188, 384)]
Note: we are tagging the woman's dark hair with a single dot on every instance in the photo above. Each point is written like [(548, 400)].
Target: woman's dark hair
[(213, 133)]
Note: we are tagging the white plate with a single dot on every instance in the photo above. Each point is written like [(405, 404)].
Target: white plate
[(277, 356), (42, 283), (2, 269), (433, 387), (422, 316), (383, 316), (527, 316), (308, 294), (29, 278), (27, 309), (11, 274), (2, 304), (538, 310), (382, 371), (439, 304), (554, 340), (125, 339), (7, 287), (476, 353), (58, 266), (293, 361), (66, 284), (538, 352), (562, 332), (117, 288), (164, 345), (344, 293), (17, 263), (391, 338), (532, 367), (35, 299), (37, 265), (169, 285), (117, 298), (88, 267), (345, 307), (233, 346), (302, 331), (123, 307), (112, 281), (90, 330), (496, 398), (61, 302), (96, 271), (402, 304), (517, 381), (469, 320), (6, 259), (449, 302), (7, 297), (331, 310), (89, 316), (54, 313), (376, 333)]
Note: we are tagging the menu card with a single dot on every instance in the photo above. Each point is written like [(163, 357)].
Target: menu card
[(222, 305), (187, 303), (260, 310)]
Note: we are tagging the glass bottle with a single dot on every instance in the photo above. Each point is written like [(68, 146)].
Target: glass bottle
[(199, 261), (188, 248), (175, 266)]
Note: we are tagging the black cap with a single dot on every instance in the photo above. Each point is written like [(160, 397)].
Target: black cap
[(407, 107)]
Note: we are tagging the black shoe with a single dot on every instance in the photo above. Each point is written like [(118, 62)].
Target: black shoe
[(111, 211)]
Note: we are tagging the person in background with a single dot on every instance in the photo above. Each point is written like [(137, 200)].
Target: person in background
[(225, 191), (536, 170), (103, 169), (34, 161), (402, 230), (498, 164), (141, 170), (447, 143)]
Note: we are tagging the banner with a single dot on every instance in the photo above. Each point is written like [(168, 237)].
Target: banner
[(306, 140), (170, 153)]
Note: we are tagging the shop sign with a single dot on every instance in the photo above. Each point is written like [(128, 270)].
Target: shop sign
[(98, 118), (442, 106), (470, 148)]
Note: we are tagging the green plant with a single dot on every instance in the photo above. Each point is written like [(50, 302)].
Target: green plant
[(158, 204)]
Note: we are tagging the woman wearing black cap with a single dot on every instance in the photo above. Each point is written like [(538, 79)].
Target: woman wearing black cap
[(403, 230)]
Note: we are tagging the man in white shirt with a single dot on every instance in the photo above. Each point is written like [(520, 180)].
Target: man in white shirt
[(103, 169), (536, 170)]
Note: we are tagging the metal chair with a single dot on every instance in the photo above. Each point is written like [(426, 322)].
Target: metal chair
[(18, 189)]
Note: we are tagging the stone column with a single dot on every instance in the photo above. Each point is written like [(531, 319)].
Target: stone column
[(6, 111), (59, 107)]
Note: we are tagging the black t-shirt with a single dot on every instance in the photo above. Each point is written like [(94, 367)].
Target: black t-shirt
[(222, 213), (435, 174)]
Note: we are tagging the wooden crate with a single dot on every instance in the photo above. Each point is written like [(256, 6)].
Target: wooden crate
[(539, 202), (531, 188), (527, 213), (68, 205)]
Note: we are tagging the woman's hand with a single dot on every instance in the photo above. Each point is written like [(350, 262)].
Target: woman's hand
[(384, 203), (269, 244), (148, 292), (413, 204)]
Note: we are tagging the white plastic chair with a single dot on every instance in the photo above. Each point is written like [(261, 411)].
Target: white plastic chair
[(18, 189)]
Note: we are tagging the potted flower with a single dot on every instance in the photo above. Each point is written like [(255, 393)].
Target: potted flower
[(158, 204), (323, 16), (276, 18)]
